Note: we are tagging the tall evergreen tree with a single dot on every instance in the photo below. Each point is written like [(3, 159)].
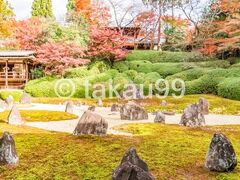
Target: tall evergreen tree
[(42, 8), (71, 6), (6, 11)]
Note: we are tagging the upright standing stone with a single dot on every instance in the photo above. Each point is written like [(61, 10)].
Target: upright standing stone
[(221, 156), (69, 107), (99, 102), (204, 106), (132, 111), (160, 118), (163, 103), (25, 99), (91, 123), (8, 153), (115, 108), (14, 117), (132, 167), (193, 115), (10, 102)]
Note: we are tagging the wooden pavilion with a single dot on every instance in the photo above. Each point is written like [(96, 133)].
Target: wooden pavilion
[(14, 68)]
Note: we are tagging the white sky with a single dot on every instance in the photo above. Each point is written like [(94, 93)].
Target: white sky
[(22, 8)]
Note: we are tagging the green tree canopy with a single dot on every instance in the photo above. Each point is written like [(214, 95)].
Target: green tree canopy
[(42, 8), (71, 6)]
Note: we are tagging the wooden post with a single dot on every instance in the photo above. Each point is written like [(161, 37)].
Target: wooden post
[(6, 74), (26, 71)]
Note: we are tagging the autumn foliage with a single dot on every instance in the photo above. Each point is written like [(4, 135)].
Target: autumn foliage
[(106, 44), (53, 56), (220, 37), (56, 57)]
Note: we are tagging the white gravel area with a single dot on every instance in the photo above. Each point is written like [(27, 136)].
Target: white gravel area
[(114, 119)]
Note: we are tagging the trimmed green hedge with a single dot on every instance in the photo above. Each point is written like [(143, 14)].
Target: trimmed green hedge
[(230, 88), (165, 56), (189, 75)]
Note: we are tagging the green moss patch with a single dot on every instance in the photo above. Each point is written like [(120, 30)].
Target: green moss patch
[(171, 152), (40, 115)]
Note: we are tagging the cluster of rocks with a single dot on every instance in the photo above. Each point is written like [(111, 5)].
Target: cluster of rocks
[(193, 115), (132, 167)]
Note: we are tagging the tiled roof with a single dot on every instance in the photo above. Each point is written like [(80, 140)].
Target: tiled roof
[(16, 53)]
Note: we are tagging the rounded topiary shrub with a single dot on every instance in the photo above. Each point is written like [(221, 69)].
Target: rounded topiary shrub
[(189, 75), (141, 66), (131, 74), (121, 66), (230, 88), (166, 69)]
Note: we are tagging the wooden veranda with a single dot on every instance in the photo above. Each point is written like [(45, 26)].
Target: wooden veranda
[(14, 68)]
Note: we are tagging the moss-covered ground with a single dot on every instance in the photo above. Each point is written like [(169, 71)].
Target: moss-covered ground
[(40, 115), (172, 152)]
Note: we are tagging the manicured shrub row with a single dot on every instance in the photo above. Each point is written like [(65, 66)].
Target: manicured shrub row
[(200, 77), (222, 82), (230, 88), (167, 69), (165, 56)]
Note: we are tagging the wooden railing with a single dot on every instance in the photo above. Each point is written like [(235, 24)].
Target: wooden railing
[(12, 75)]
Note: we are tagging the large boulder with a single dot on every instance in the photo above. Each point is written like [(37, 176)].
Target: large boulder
[(160, 118), (193, 115), (8, 153), (69, 107), (91, 123), (221, 156), (25, 99), (115, 108), (132, 111), (14, 117), (10, 102), (132, 167)]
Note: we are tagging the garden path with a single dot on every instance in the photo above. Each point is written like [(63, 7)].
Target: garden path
[(114, 119)]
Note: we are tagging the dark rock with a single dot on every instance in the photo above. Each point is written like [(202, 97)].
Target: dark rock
[(132, 111), (69, 107), (132, 167), (8, 153), (193, 115), (160, 118), (115, 108), (14, 117), (91, 123), (25, 99), (10, 102), (92, 108), (221, 156)]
